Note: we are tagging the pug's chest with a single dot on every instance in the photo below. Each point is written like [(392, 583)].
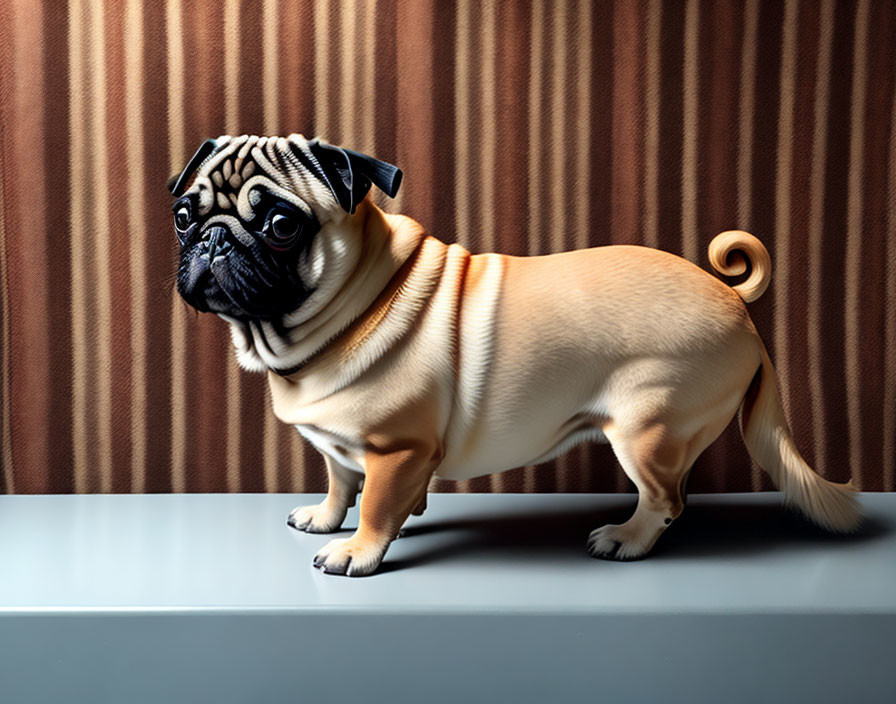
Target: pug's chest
[(346, 449), (366, 418)]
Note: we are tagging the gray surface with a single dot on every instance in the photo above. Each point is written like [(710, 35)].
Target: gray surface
[(734, 553), (194, 597)]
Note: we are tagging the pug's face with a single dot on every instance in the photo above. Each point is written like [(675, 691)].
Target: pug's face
[(246, 224), (248, 212)]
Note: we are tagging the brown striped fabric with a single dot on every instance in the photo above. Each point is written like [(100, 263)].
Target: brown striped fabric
[(522, 127)]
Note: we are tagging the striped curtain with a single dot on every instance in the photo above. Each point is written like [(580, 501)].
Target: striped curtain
[(522, 127)]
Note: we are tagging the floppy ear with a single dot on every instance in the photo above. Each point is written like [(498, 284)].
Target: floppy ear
[(178, 184), (349, 174)]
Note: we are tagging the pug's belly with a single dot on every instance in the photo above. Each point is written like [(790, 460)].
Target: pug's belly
[(499, 452), (493, 453)]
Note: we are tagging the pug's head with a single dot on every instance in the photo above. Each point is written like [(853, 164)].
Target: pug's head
[(247, 212)]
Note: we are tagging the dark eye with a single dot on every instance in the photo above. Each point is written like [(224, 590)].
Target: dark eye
[(182, 218), (284, 227), (283, 230)]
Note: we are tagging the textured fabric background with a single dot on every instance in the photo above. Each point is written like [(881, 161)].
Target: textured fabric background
[(522, 127)]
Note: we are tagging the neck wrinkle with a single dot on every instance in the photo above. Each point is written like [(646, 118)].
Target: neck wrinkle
[(390, 244)]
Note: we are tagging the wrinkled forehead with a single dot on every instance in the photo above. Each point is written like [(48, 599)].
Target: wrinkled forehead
[(241, 169)]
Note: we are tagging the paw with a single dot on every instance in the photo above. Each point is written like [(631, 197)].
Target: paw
[(316, 519), (616, 543), (350, 557)]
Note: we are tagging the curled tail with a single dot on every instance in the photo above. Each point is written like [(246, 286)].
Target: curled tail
[(729, 253), (767, 436)]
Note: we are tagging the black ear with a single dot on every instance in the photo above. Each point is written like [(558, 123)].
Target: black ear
[(350, 174), (178, 184)]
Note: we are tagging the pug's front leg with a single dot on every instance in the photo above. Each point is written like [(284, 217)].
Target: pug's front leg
[(327, 516), (392, 486)]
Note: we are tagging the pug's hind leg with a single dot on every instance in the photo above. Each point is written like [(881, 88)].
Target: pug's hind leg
[(328, 515), (655, 462)]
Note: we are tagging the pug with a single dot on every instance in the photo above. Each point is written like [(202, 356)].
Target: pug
[(400, 357)]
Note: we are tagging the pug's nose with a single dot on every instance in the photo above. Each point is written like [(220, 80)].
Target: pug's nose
[(218, 246)]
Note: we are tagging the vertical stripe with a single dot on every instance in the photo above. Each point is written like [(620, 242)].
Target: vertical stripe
[(627, 175), (27, 305), (881, 62), (580, 128), (536, 66), (346, 49), (582, 143), (270, 445), (764, 146), (834, 221), (671, 134), (581, 209), (489, 140), (6, 457), (462, 137), (782, 199), (297, 32), (557, 181), (489, 129), (176, 159), (367, 82), (889, 419), (442, 197), (158, 254), (118, 273), (416, 120), (298, 470), (136, 186), (745, 124), (509, 176), (235, 428), (535, 208), (99, 215), (248, 91), (354, 105), (719, 59), (558, 177), (175, 54), (462, 121), (272, 427), (232, 51), (322, 49), (689, 177), (652, 124), (806, 59), (271, 45), (626, 124), (601, 179), (209, 348), (816, 230), (79, 230), (853, 263), (386, 99), (248, 87), (55, 141)]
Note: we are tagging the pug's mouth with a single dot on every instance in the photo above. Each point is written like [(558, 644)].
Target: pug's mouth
[(200, 288), (223, 284)]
